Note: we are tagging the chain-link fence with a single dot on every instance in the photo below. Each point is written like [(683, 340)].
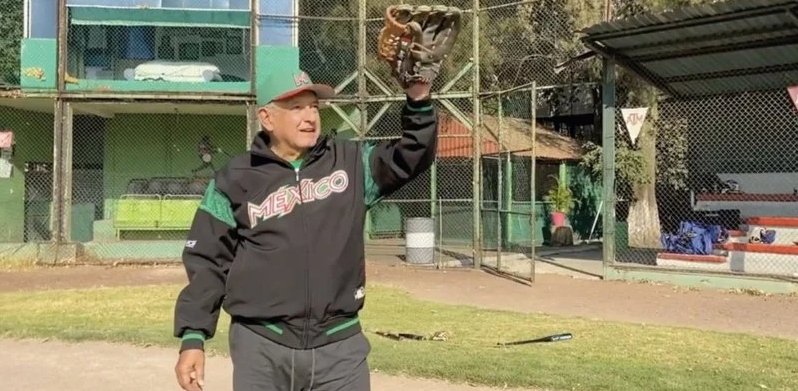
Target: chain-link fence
[(139, 172), (704, 145), (509, 216), (26, 171), (136, 166), (535, 193), (160, 46), (441, 199), (724, 163)]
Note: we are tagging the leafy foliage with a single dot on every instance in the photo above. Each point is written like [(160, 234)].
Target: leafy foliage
[(560, 196), (628, 163), (11, 20), (668, 131)]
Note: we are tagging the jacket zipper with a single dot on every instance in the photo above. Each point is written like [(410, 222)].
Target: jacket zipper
[(305, 331)]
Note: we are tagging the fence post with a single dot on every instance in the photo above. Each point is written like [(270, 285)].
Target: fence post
[(608, 163), (66, 179), (57, 172), (533, 187), (362, 88), (61, 215), (254, 11), (499, 182), (477, 136), (61, 43), (253, 123), (362, 92)]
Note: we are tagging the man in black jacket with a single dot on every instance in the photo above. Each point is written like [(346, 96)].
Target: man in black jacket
[(278, 243)]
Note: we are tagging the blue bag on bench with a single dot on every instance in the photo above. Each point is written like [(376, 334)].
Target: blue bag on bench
[(694, 238), (768, 236)]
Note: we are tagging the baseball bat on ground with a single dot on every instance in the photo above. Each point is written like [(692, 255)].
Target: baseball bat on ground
[(548, 338)]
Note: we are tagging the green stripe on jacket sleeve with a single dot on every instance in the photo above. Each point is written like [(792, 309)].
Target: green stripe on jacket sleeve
[(217, 205), (372, 191)]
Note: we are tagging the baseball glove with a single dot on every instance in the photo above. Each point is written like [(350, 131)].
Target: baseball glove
[(416, 39)]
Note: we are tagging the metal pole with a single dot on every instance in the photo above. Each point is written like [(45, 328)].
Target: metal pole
[(58, 170), (499, 180), (608, 155), (56, 215), (66, 178), (362, 90), (253, 123), (433, 187), (62, 46), (477, 132), (253, 43), (441, 265), (532, 185)]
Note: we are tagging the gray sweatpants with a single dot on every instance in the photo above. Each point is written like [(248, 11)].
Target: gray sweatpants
[(262, 365)]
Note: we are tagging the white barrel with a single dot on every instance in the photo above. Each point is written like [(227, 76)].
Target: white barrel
[(420, 240)]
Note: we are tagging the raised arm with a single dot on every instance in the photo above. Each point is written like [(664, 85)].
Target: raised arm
[(391, 164), (207, 257), (414, 41)]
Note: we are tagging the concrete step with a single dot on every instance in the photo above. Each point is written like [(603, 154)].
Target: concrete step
[(718, 263), (753, 258), (786, 229), (737, 255), (772, 222), (758, 258)]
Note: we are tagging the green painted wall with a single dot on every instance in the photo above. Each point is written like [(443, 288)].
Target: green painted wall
[(153, 145), (38, 63), (33, 135)]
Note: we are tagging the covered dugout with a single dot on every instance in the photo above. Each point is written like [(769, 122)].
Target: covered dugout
[(726, 113)]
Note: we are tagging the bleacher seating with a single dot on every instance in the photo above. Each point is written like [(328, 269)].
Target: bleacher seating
[(158, 204)]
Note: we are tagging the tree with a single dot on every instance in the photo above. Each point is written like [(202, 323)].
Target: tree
[(11, 19), (328, 42), (520, 42), (639, 169)]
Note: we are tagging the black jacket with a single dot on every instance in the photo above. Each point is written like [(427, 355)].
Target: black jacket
[(290, 268)]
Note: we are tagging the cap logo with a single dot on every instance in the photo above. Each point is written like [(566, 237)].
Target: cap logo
[(301, 79)]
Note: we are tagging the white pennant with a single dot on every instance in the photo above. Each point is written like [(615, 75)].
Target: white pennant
[(634, 118), (793, 92)]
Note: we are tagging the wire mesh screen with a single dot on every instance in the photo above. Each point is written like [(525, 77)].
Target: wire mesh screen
[(722, 168), (26, 174), (328, 44), (161, 48), (136, 167), (525, 40), (511, 224), (139, 173)]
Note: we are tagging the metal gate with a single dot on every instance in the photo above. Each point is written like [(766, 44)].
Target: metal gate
[(509, 211)]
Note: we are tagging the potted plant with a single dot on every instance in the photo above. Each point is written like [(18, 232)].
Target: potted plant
[(562, 201)]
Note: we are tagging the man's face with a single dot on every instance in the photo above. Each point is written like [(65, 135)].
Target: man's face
[(294, 123)]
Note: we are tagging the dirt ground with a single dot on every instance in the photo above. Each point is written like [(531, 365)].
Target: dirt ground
[(555, 294), (56, 366)]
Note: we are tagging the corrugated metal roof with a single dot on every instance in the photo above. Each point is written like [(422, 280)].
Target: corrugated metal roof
[(684, 14), (516, 135), (709, 49)]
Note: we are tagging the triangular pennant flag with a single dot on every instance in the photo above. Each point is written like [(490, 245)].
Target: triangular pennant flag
[(634, 118), (793, 92), (6, 140)]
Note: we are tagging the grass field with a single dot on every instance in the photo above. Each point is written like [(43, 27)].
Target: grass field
[(602, 355)]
